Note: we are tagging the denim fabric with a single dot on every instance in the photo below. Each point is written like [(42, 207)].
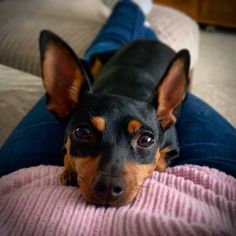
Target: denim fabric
[(125, 24), (205, 137), (37, 139)]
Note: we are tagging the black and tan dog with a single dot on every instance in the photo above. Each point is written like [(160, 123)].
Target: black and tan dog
[(121, 125)]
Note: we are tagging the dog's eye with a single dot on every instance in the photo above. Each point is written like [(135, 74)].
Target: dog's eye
[(84, 133), (145, 140)]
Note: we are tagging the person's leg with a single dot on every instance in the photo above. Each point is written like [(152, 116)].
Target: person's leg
[(38, 139), (125, 24), (145, 5), (205, 137)]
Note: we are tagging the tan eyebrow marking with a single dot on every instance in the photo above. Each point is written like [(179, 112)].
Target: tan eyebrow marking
[(133, 126), (99, 123)]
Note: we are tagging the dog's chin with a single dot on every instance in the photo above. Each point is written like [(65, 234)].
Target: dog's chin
[(117, 203), (123, 200), (107, 203)]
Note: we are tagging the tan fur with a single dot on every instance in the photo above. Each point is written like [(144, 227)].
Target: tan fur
[(161, 164), (98, 123), (96, 68), (84, 169), (69, 175), (87, 169), (135, 175), (133, 126), (62, 79), (171, 93)]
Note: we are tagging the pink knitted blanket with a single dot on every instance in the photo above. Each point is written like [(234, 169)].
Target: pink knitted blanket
[(186, 200)]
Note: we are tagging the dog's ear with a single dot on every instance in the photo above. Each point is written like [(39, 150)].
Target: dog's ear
[(172, 90), (63, 74)]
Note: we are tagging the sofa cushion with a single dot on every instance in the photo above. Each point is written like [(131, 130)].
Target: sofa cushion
[(77, 22)]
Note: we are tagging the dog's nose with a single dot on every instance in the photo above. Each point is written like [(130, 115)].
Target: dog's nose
[(108, 188)]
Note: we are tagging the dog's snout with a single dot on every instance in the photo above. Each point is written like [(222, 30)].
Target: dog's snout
[(108, 188)]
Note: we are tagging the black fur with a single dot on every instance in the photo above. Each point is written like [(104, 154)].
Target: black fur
[(124, 90)]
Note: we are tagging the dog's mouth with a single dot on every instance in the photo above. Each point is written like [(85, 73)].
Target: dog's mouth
[(111, 188), (109, 191)]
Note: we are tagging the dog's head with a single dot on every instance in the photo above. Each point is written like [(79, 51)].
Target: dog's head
[(113, 143)]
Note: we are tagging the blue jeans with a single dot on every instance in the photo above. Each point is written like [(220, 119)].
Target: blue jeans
[(205, 137), (125, 24)]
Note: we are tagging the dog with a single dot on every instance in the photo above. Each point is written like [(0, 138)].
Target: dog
[(120, 109)]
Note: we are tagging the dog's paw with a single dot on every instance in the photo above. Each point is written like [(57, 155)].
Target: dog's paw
[(69, 177)]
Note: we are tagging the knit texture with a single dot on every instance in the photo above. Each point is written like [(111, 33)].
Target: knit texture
[(186, 200)]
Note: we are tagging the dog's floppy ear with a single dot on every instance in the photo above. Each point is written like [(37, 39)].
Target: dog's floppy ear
[(172, 90), (62, 72)]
